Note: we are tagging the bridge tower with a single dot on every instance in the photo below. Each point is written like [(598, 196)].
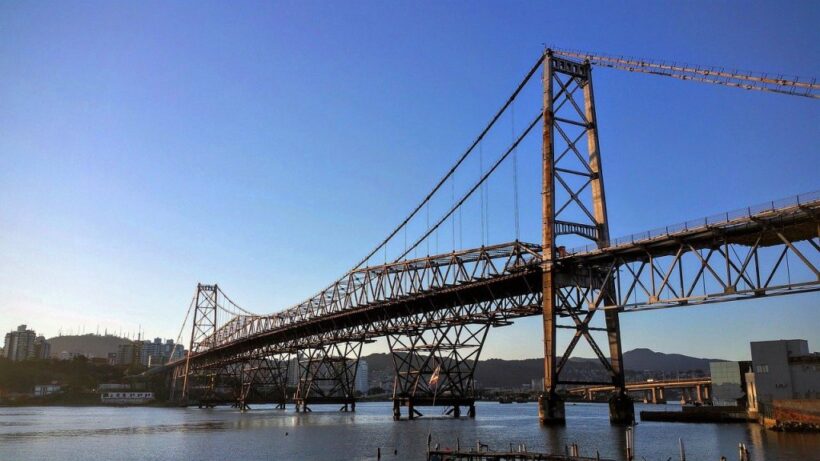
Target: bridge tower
[(574, 171), (204, 326)]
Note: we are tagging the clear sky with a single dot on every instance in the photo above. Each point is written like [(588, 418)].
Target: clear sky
[(267, 146)]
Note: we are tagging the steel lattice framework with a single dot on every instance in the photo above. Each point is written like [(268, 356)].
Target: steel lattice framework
[(436, 311)]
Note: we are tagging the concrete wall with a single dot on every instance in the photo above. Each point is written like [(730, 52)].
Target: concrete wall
[(795, 414), (773, 376), (805, 376)]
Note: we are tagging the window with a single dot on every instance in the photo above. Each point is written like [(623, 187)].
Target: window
[(762, 369)]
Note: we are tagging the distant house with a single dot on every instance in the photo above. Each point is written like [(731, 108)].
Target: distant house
[(42, 390), (126, 398)]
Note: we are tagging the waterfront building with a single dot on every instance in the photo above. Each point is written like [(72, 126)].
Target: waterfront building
[(362, 377), (41, 390), (729, 383), (126, 398), (19, 345), (784, 370)]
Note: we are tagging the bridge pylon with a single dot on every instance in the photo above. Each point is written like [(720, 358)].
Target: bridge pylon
[(327, 374), (435, 367), (572, 170), (203, 328)]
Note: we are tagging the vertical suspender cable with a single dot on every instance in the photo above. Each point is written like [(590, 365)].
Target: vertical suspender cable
[(481, 191), (453, 201), (428, 227), (515, 173)]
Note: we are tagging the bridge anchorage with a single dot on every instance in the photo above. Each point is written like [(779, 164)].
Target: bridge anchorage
[(436, 311)]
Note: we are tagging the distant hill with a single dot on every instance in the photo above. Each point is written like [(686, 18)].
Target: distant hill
[(89, 345), (514, 373), (647, 359)]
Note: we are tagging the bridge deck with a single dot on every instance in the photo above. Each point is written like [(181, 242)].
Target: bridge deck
[(498, 283)]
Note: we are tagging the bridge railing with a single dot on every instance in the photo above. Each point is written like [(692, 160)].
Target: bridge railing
[(728, 217)]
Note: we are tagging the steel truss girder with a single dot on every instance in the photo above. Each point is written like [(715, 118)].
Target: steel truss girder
[(398, 289), (726, 270)]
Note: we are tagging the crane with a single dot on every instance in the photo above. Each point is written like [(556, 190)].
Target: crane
[(717, 75)]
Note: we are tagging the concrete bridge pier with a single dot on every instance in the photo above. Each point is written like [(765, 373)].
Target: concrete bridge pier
[(621, 409), (660, 396), (551, 409)]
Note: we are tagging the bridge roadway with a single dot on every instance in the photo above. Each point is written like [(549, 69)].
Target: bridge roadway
[(700, 385), (498, 283)]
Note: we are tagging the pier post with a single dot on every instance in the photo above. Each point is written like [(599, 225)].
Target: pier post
[(396, 409)]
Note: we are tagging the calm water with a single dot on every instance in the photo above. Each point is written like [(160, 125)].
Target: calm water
[(101, 433)]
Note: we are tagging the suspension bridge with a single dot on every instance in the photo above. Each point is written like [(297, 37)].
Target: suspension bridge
[(436, 310)]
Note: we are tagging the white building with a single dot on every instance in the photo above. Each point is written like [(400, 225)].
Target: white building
[(362, 377), (42, 390), (19, 345), (126, 398)]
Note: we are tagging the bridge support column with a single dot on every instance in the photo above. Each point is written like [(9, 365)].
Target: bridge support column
[(661, 397), (435, 367), (327, 374), (263, 379), (568, 293)]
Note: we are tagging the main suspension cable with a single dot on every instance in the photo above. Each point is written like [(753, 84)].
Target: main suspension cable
[(457, 164), (475, 186)]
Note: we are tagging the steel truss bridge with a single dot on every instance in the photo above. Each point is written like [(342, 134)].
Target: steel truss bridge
[(436, 311)]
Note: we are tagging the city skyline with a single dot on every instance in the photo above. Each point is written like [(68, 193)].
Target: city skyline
[(124, 187)]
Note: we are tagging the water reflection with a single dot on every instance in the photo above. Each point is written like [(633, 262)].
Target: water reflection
[(268, 433)]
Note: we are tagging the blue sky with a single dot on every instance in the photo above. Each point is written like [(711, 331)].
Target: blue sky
[(268, 146)]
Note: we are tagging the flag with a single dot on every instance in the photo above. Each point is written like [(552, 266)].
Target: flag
[(435, 376)]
